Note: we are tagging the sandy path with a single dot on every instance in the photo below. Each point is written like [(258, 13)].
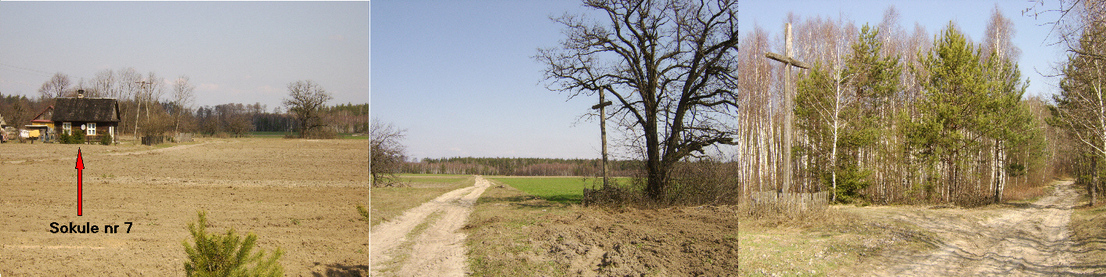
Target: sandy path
[(439, 250), (1024, 241)]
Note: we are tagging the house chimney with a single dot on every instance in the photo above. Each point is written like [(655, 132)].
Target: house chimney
[(80, 93)]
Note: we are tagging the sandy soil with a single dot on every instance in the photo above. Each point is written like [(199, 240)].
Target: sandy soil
[(516, 234), (1024, 240), (439, 249), (297, 195)]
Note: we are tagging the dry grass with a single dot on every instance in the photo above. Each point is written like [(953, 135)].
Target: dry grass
[(833, 241), (512, 233), (496, 242), (1028, 193), (1087, 232), (391, 202)]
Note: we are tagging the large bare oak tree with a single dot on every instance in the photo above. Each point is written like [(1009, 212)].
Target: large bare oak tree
[(671, 66), (306, 100)]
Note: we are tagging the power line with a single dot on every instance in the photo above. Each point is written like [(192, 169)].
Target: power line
[(28, 70)]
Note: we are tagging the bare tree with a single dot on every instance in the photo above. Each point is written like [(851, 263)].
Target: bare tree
[(154, 92), (671, 66), (104, 83), (182, 98), (130, 87), (306, 101), (387, 152), (754, 118), (999, 38), (56, 87)]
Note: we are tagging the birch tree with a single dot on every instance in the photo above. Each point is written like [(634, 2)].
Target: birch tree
[(754, 116), (183, 96), (1081, 105)]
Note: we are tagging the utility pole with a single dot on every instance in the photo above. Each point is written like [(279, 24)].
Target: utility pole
[(789, 102), (138, 108), (602, 106)]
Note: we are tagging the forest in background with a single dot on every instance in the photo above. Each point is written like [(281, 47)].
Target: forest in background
[(147, 106)]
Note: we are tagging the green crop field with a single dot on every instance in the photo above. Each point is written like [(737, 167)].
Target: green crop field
[(556, 189)]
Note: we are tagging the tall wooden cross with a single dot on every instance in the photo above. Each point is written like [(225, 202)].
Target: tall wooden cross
[(789, 102), (602, 107)]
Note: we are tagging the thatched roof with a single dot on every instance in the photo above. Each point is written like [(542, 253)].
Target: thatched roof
[(86, 110)]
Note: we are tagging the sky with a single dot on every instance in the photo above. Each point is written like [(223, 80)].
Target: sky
[(233, 52), (459, 77)]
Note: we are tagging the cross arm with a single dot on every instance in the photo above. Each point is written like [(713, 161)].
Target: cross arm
[(600, 105), (787, 60)]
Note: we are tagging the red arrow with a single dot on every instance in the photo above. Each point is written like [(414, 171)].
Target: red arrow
[(80, 166)]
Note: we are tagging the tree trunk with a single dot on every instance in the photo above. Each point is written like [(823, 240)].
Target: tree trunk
[(655, 169)]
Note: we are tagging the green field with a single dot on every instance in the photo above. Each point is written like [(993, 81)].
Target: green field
[(568, 190)]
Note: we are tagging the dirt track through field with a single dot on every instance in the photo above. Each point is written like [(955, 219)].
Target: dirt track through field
[(399, 249), (1032, 240)]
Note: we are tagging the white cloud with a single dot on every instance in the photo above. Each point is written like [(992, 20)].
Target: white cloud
[(208, 86)]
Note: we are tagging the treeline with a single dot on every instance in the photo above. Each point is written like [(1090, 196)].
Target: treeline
[(148, 106), (888, 116), (521, 167), (236, 119)]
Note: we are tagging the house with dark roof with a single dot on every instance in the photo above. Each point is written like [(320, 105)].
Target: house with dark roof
[(93, 116)]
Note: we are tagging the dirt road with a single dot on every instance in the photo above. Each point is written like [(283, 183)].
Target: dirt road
[(1026, 240), (425, 240)]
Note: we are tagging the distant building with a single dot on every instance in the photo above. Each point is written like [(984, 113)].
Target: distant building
[(93, 116), (42, 124)]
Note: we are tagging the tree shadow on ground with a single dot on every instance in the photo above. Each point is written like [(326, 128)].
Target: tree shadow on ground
[(527, 201), (340, 270)]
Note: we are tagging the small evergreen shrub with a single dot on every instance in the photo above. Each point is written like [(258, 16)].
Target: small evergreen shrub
[(105, 139), (77, 137), (64, 138), (227, 254)]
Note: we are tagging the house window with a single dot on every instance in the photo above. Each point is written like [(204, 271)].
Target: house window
[(91, 129), (66, 127)]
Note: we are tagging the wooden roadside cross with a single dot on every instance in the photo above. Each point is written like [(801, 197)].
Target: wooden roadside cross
[(789, 104), (602, 107)]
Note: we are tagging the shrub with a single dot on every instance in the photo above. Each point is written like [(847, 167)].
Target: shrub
[(77, 137), (105, 139), (364, 213), (226, 255), (64, 138), (320, 133)]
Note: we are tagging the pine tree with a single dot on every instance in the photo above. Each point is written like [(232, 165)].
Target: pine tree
[(951, 111), (227, 254)]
